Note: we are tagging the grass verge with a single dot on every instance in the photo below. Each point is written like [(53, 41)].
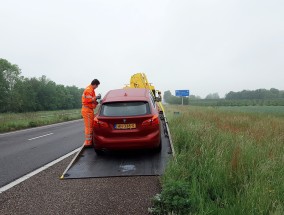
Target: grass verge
[(17, 121), (227, 162)]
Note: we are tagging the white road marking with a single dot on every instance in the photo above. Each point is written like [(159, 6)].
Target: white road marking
[(40, 136), (29, 175)]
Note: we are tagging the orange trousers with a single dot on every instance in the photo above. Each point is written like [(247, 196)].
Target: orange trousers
[(88, 116)]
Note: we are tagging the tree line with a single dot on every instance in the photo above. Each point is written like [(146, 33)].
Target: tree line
[(256, 94), (21, 94), (262, 97)]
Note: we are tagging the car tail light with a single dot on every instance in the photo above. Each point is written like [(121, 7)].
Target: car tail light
[(153, 121), (100, 124)]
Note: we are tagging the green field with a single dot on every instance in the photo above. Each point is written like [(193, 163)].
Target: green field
[(16, 121), (229, 160), (268, 110)]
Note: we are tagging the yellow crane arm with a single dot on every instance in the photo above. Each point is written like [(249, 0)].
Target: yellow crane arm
[(139, 80)]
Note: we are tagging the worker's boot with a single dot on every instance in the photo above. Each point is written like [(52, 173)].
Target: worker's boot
[(87, 144)]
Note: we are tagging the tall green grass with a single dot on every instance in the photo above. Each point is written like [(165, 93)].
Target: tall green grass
[(266, 110), (16, 121), (227, 162)]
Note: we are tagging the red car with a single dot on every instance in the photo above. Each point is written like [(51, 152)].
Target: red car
[(127, 119)]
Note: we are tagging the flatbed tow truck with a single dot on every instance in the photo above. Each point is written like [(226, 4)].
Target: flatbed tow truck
[(86, 164)]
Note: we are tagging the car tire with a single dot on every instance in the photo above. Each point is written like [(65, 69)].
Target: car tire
[(159, 148), (99, 152)]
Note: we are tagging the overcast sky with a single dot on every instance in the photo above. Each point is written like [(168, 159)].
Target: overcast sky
[(205, 46)]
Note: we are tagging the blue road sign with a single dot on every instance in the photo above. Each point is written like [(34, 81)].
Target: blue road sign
[(182, 93)]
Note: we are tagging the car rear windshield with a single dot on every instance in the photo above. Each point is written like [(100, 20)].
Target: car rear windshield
[(125, 108)]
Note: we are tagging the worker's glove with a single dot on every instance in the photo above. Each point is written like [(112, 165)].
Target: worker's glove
[(98, 96)]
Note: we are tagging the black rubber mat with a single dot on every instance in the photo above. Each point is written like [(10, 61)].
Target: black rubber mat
[(131, 163)]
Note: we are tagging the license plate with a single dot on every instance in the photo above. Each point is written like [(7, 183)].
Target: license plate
[(125, 126)]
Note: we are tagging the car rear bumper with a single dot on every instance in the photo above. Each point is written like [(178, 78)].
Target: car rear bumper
[(122, 143)]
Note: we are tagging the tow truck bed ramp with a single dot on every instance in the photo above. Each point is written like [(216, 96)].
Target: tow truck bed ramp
[(87, 164)]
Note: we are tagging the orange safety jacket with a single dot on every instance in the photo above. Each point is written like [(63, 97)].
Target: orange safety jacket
[(89, 98)]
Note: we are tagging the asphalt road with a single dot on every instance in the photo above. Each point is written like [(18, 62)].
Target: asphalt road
[(23, 151), (45, 193)]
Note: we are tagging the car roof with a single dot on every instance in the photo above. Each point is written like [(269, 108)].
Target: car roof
[(127, 94)]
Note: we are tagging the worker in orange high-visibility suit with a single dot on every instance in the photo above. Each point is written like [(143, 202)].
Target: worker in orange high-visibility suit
[(89, 103)]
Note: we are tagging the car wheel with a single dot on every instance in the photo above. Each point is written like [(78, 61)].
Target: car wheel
[(99, 152), (159, 148)]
